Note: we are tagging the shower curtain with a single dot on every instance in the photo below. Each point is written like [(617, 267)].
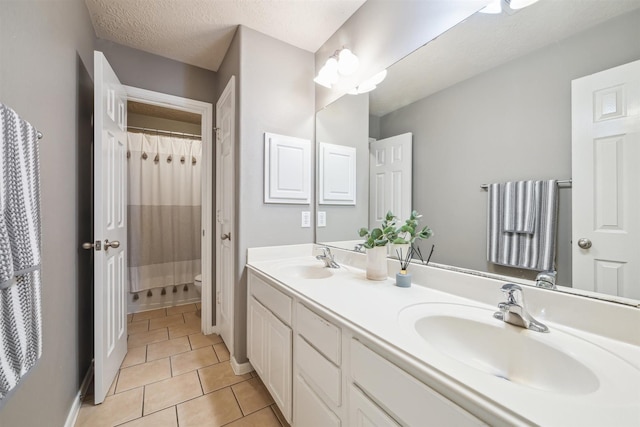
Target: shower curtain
[(164, 210)]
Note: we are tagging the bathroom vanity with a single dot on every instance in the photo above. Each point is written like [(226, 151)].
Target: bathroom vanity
[(335, 349)]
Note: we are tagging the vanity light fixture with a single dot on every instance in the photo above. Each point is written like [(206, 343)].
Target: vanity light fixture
[(369, 84), (342, 62), (496, 6), (520, 4)]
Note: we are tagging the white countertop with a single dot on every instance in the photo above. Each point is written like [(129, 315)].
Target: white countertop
[(372, 308)]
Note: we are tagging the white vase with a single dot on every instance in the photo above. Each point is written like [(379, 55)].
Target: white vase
[(377, 263)]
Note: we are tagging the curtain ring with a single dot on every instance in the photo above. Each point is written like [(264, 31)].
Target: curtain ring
[(144, 155), (149, 293), (169, 158), (156, 159), (182, 160), (193, 160)]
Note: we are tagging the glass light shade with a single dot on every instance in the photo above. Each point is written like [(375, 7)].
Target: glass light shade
[(494, 7), (347, 62), (366, 87), (322, 81), (377, 79), (519, 4)]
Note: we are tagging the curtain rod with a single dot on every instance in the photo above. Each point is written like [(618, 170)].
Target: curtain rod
[(165, 131), (568, 183)]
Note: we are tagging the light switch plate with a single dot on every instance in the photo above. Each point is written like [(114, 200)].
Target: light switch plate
[(322, 219), (306, 219)]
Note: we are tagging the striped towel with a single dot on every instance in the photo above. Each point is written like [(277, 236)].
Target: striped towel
[(519, 206), (535, 251), (20, 317)]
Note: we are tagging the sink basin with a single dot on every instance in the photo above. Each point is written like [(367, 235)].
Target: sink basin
[(543, 361), (305, 271)]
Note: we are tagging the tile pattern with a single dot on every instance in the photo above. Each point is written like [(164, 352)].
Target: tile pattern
[(175, 376)]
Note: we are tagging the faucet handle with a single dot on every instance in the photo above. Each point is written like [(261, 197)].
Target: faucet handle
[(513, 293)]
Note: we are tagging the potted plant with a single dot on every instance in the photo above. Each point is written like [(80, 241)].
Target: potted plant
[(408, 233), (376, 241)]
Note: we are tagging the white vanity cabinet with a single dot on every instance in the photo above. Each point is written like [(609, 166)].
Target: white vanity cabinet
[(269, 340), (336, 380)]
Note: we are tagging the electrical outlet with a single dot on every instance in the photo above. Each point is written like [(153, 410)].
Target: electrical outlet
[(306, 219), (322, 219)]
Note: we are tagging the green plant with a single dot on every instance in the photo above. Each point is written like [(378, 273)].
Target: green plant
[(382, 235), (409, 232)]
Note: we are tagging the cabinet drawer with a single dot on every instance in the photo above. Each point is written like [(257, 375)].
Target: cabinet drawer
[(321, 374), (320, 333), (279, 303), (364, 413), (416, 403), (310, 411)]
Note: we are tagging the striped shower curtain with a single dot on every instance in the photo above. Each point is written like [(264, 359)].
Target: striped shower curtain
[(164, 210)]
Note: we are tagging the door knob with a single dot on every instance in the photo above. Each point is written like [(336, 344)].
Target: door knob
[(226, 236), (115, 244), (584, 243), (87, 245)]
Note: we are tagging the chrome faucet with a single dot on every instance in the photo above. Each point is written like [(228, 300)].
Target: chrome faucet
[(327, 258), (546, 279), (513, 310)]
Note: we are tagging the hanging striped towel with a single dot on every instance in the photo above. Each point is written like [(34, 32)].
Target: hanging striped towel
[(535, 251), (519, 206), (20, 317)]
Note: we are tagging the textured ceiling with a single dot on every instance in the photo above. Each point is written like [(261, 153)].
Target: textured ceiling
[(198, 32), (484, 42), (162, 113)]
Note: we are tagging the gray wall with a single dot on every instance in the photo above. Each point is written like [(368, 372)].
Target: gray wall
[(152, 72), (510, 123), (45, 52), (276, 95), (346, 122), (382, 32)]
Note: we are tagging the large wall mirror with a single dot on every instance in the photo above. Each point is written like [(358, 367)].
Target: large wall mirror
[(488, 101)]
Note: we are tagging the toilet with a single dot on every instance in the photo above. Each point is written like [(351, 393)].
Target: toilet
[(197, 281)]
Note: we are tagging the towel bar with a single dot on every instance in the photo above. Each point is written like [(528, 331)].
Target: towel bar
[(567, 182)]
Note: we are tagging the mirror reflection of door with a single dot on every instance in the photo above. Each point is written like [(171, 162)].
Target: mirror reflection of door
[(390, 181), (606, 199)]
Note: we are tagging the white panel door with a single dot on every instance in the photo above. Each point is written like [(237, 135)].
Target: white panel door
[(279, 364), (256, 335), (225, 212), (606, 181), (390, 173), (110, 225)]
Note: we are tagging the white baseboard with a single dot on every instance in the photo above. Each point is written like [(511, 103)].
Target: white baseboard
[(240, 368), (77, 401)]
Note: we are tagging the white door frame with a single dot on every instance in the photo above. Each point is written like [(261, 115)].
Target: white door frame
[(205, 110)]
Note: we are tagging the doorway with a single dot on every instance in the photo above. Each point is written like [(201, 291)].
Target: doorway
[(184, 110)]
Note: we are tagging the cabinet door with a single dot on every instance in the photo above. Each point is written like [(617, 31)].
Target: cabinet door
[(256, 339), (279, 364), (364, 413)]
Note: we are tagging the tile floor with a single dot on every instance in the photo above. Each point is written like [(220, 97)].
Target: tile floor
[(175, 376)]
